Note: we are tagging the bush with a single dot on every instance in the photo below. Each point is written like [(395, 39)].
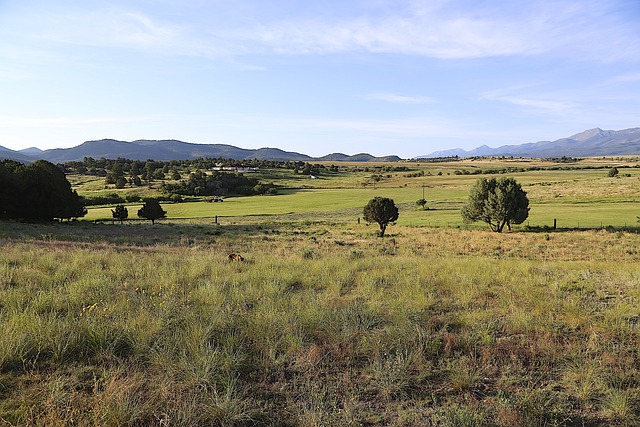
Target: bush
[(498, 202)]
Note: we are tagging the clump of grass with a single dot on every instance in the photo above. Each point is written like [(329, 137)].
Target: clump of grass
[(583, 379), (463, 374), (459, 415), (391, 375), (621, 406)]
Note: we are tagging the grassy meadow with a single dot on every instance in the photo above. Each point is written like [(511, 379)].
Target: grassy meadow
[(576, 198), (438, 324)]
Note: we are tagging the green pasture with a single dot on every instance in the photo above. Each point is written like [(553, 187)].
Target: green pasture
[(585, 215), (575, 198), (292, 201)]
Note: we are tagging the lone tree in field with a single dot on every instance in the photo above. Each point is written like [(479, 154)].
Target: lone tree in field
[(498, 202), (381, 210), (421, 203), (120, 213), (152, 210)]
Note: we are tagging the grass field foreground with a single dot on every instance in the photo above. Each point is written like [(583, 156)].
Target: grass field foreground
[(322, 325)]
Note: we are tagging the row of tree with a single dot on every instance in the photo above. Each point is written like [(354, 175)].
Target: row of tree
[(38, 191), (152, 169), (218, 183)]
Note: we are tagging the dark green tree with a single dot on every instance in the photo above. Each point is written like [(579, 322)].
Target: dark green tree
[(613, 172), (75, 207), (498, 202), (10, 188), (421, 203), (152, 210), (158, 174), (120, 213), (37, 192), (381, 210), (121, 181)]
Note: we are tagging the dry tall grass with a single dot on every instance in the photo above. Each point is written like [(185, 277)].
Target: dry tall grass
[(322, 325)]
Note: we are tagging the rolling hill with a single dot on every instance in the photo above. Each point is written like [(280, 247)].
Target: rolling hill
[(165, 150), (590, 143), (7, 154)]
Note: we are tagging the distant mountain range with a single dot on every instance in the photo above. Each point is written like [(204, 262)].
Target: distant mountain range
[(166, 150), (590, 143)]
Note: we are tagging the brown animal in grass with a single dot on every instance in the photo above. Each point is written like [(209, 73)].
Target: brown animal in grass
[(235, 257)]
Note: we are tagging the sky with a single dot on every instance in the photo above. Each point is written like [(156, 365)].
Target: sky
[(402, 77)]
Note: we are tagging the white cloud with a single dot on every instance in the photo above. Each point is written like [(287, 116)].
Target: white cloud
[(445, 29), (458, 38), (566, 28), (396, 98), (546, 105), (116, 28), (246, 67), (625, 78)]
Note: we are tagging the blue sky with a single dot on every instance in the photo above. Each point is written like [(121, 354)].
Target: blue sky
[(384, 77)]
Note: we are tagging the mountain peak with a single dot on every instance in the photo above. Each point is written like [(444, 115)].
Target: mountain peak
[(592, 142), (31, 151), (587, 134)]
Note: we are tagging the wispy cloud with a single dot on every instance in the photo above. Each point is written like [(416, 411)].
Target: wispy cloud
[(247, 67), (445, 29), (396, 98), (116, 28), (625, 78), (585, 29), (582, 108), (456, 38), (542, 104), (538, 98), (111, 27)]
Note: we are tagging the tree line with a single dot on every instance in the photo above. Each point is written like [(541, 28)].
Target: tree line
[(38, 191), (218, 183), (151, 170), (199, 177)]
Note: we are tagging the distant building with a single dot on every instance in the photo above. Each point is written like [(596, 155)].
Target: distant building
[(238, 168)]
